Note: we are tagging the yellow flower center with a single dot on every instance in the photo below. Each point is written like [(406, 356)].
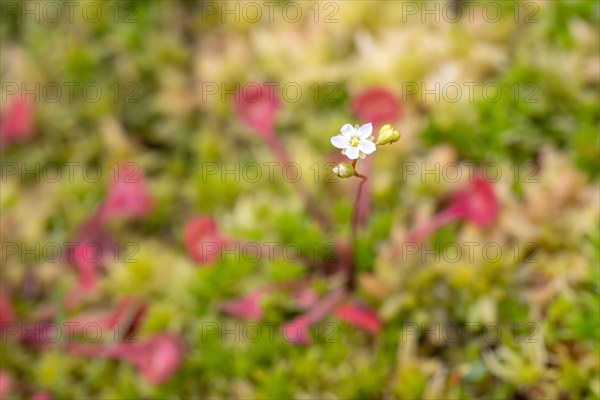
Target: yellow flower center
[(354, 141)]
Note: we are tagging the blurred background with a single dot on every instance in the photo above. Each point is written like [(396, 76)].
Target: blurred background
[(142, 174)]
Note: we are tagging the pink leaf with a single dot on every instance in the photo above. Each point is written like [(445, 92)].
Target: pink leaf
[(5, 384), (297, 331), (247, 307), (84, 257), (17, 124), (307, 297), (128, 195), (156, 359), (359, 317), (202, 240), (6, 311), (477, 202), (41, 396), (159, 358), (376, 105), (257, 105)]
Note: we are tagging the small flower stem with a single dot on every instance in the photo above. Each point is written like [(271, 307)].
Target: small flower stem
[(357, 201), (365, 196), (355, 221)]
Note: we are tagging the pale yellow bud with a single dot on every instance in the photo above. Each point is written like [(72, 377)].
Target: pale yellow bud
[(387, 134), (343, 170)]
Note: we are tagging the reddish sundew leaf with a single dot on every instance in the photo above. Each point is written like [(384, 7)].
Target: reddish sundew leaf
[(128, 195), (376, 105), (477, 203), (156, 358), (42, 396), (297, 331), (202, 240), (7, 315), (257, 105), (359, 317), (5, 384), (16, 125), (247, 307)]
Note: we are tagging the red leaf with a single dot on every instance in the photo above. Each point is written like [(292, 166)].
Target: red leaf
[(376, 105), (202, 240), (257, 105), (128, 195), (359, 317)]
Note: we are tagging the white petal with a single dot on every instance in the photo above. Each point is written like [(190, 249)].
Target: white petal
[(365, 131), (367, 146), (352, 152), (348, 130), (340, 141)]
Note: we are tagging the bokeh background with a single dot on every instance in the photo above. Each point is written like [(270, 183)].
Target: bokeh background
[(148, 89)]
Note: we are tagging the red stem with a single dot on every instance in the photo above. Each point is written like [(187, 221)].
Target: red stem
[(126, 351), (365, 196), (325, 306), (424, 231)]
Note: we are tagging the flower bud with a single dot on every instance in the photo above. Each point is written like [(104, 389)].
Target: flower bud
[(387, 134), (343, 170)]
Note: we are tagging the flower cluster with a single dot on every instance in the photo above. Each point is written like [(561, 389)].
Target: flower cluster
[(357, 142)]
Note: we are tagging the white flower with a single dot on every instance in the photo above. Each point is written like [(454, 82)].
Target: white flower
[(354, 142)]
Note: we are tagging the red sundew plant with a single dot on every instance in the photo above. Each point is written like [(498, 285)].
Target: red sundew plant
[(199, 234), (128, 314), (6, 311), (376, 105), (126, 317), (84, 265), (156, 358), (257, 105), (42, 396), (247, 307), (93, 245), (359, 316), (16, 125), (128, 198), (476, 203), (5, 384), (128, 195)]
